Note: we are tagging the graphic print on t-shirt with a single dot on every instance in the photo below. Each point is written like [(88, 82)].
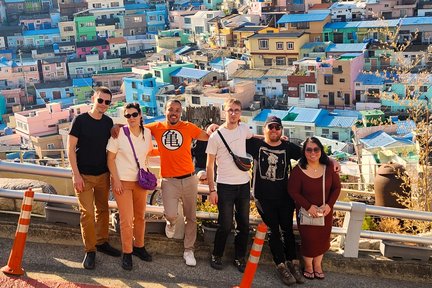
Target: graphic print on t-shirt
[(172, 139), (272, 164)]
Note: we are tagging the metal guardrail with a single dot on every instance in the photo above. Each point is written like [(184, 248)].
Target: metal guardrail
[(351, 230)]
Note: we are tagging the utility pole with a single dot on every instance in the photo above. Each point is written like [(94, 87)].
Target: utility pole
[(24, 77)]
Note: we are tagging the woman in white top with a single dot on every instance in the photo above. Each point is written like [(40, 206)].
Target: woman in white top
[(130, 197)]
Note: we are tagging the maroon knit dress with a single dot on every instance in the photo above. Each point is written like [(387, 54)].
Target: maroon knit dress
[(315, 240)]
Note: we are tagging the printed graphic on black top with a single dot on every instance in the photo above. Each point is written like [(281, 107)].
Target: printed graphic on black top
[(172, 139), (272, 164)]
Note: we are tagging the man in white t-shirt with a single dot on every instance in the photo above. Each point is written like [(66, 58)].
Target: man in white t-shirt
[(233, 188)]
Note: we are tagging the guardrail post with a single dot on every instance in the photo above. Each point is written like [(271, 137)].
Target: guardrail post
[(353, 224)]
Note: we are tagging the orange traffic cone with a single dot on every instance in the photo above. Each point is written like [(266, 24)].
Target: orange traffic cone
[(254, 256), (14, 264)]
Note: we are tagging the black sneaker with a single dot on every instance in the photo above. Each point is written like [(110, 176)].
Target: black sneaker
[(127, 261), (240, 264), (106, 248), (285, 275), (295, 270), (142, 254), (89, 260), (216, 262)]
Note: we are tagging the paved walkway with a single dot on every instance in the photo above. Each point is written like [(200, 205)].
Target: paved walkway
[(53, 256)]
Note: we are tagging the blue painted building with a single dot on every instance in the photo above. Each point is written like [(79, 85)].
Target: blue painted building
[(144, 92), (41, 38), (56, 91), (157, 20)]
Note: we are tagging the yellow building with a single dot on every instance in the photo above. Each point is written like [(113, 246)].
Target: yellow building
[(275, 49), (311, 23)]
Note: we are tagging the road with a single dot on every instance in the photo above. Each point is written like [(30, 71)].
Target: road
[(52, 264)]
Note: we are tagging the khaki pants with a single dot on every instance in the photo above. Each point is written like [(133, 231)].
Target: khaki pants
[(185, 189), (131, 205), (93, 205)]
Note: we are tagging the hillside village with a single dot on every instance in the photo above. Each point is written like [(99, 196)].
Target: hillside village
[(323, 68)]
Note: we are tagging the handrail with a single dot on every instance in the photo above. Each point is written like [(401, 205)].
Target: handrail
[(351, 230)]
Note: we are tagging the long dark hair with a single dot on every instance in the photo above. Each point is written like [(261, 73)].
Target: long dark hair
[(324, 159), (136, 106)]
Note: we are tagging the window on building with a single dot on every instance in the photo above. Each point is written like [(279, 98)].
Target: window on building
[(116, 83), (328, 79), (263, 44), (115, 4), (310, 88), (290, 45), (59, 65), (152, 18), (32, 68), (97, 5), (423, 88), (50, 146), (309, 134), (259, 81), (199, 29), (326, 131), (308, 128), (67, 29), (134, 85), (47, 68), (135, 96), (335, 135), (279, 46), (291, 61), (187, 20), (137, 19), (157, 73), (280, 61), (342, 80), (196, 100), (11, 100), (268, 61), (145, 98), (278, 80)]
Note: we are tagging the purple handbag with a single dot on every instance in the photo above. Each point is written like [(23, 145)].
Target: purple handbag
[(146, 179)]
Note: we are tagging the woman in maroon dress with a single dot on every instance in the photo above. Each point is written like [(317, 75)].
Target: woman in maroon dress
[(305, 187)]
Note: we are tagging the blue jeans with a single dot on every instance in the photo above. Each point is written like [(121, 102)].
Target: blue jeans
[(232, 199)]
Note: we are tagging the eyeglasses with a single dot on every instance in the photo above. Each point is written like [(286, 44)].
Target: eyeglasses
[(100, 101), (315, 150), (274, 126), (134, 115), (231, 111)]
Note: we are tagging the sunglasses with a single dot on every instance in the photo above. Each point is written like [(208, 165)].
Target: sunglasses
[(235, 111), (100, 101), (310, 150), (134, 115), (274, 126)]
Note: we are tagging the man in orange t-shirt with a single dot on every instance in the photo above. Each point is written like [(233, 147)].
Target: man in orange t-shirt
[(174, 138)]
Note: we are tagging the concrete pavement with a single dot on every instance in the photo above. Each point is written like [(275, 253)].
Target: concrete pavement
[(53, 256)]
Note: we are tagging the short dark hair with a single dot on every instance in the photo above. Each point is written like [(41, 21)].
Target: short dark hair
[(324, 159), (102, 89), (172, 101)]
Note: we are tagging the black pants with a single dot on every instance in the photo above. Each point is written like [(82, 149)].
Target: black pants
[(278, 216), (232, 199)]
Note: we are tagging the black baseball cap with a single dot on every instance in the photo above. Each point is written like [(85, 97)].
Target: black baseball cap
[(273, 120)]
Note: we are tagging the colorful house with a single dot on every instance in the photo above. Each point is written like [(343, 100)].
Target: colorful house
[(56, 91), (100, 47), (157, 20), (143, 91), (335, 81), (86, 67), (171, 39), (162, 73), (41, 38), (312, 23), (85, 27), (117, 46), (275, 49), (35, 22), (53, 69), (82, 89), (14, 74)]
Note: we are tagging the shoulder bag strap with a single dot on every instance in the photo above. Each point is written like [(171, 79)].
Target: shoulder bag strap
[(323, 185), (127, 133), (226, 145)]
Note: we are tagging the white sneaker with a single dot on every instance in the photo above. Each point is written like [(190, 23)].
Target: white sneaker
[(169, 230), (189, 257)]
